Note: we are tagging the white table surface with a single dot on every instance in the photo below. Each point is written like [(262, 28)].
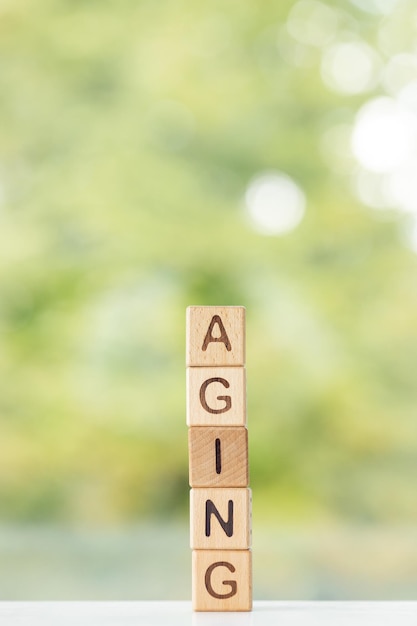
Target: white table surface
[(180, 613)]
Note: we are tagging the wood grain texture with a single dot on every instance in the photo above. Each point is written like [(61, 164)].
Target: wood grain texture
[(220, 519), (218, 457), (222, 580), (216, 396), (215, 335)]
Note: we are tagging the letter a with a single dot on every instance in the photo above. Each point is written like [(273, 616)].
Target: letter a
[(223, 338)]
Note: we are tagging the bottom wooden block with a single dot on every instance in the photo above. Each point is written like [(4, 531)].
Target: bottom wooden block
[(222, 580)]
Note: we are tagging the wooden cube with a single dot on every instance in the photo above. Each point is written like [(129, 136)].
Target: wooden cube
[(218, 457), (222, 580), (216, 396), (215, 335), (220, 519)]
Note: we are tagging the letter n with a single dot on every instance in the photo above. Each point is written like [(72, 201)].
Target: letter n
[(227, 526)]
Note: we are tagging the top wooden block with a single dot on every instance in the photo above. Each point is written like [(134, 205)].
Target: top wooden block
[(215, 336)]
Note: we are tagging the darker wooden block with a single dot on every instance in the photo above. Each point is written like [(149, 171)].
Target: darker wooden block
[(218, 457)]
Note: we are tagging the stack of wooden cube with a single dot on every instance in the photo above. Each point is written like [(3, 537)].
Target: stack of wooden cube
[(220, 500)]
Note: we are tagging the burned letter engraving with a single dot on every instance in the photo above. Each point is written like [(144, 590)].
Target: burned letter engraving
[(227, 526), (227, 399), (232, 583), (223, 338)]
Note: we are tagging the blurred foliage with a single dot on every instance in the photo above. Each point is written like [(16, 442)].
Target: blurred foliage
[(129, 133)]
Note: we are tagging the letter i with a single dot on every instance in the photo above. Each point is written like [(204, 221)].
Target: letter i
[(217, 443)]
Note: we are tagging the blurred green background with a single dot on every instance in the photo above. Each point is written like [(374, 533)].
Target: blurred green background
[(159, 154)]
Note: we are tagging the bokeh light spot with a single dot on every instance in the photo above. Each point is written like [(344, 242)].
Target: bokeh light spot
[(312, 23), (384, 135), (402, 185), (350, 67), (381, 7), (400, 71), (407, 98), (275, 204), (372, 190)]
